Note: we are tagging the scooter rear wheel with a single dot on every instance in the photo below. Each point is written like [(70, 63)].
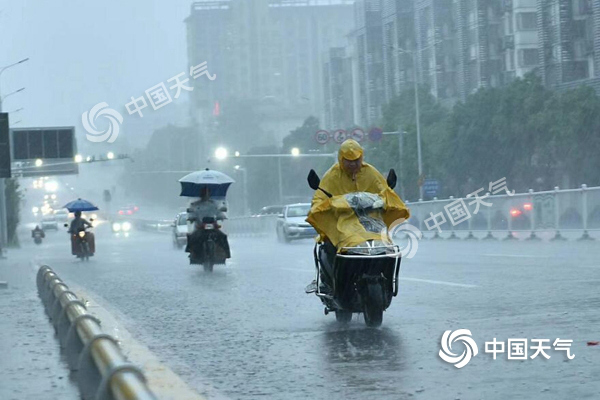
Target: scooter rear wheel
[(373, 306)]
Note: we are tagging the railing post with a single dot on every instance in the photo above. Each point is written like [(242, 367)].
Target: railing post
[(436, 234), (489, 235), (510, 235), (586, 235), (532, 236), (453, 233), (557, 236)]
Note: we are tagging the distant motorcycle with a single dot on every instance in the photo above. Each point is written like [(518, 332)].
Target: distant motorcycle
[(363, 278), (37, 235)]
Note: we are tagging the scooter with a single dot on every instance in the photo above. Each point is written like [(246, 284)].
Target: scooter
[(212, 252), (83, 244), (361, 279)]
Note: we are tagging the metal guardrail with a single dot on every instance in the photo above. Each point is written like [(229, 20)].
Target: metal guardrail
[(103, 372), (236, 226), (574, 210)]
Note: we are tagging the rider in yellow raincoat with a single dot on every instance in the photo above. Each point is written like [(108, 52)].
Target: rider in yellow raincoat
[(332, 217)]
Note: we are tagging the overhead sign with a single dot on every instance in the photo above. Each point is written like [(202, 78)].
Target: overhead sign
[(322, 137), (375, 134), (357, 134), (43, 143), (4, 147), (340, 135), (44, 151)]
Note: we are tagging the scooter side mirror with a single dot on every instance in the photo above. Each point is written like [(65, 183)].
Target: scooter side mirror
[(392, 179), (313, 180), (66, 225)]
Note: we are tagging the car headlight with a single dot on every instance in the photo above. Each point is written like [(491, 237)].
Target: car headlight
[(116, 227), (82, 234), (126, 226)]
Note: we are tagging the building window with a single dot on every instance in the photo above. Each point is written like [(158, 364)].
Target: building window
[(473, 52), (581, 8), (527, 21), (528, 57)]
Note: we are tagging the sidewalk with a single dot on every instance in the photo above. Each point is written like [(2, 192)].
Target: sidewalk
[(30, 362)]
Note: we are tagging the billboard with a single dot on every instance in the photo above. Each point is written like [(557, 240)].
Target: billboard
[(4, 147), (55, 146)]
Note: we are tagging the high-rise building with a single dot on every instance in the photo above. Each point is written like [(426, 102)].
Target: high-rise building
[(398, 44), (519, 39), (270, 52), (479, 34), (367, 49), (338, 90), (569, 33), (436, 47)]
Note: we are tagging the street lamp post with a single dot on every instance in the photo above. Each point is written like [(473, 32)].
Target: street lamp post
[(222, 154), (3, 221), (244, 188)]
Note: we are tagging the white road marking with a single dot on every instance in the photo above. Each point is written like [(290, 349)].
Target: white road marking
[(464, 285), (514, 256)]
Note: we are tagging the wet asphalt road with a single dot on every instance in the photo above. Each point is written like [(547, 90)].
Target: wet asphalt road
[(248, 330)]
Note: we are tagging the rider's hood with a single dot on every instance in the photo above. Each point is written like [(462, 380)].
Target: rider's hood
[(349, 150)]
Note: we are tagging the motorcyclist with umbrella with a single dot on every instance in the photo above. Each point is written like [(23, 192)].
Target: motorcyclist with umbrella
[(204, 213), (77, 229), (201, 211), (78, 224)]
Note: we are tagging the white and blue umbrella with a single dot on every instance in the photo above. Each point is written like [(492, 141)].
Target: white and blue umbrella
[(80, 205), (217, 182)]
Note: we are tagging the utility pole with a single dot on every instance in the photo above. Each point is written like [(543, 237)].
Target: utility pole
[(3, 217)]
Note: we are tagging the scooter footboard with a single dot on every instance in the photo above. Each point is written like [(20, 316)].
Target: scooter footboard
[(352, 271)]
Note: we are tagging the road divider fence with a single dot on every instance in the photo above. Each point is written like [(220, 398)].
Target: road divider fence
[(234, 227), (103, 372)]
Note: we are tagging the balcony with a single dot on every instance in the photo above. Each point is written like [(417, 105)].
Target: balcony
[(508, 42)]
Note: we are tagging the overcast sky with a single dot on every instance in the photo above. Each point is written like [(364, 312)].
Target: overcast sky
[(83, 52)]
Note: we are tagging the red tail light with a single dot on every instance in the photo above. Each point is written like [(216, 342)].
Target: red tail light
[(528, 206), (121, 212), (515, 212), (129, 212), (136, 208)]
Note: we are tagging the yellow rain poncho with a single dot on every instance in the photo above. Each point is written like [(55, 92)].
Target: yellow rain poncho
[(333, 218)]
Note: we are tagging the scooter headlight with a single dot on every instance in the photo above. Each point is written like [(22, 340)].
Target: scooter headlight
[(116, 227), (82, 234), (126, 226)]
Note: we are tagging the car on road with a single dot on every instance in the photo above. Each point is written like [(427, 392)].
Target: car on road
[(61, 215), (180, 230), (291, 223), (127, 210), (49, 222), (270, 210)]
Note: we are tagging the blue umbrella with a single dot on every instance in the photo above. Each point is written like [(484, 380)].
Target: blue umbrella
[(80, 205), (217, 182)]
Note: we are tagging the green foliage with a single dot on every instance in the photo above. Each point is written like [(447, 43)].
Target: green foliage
[(535, 137), (14, 197)]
